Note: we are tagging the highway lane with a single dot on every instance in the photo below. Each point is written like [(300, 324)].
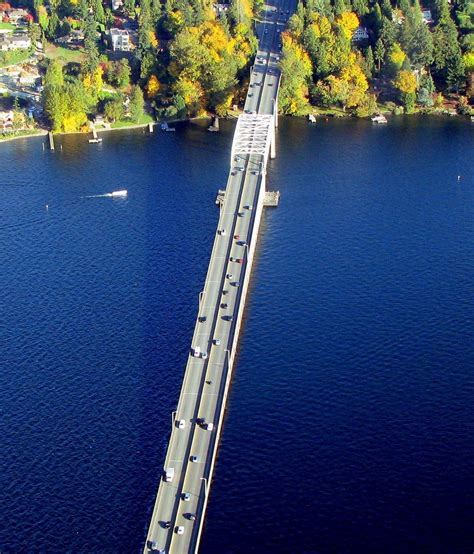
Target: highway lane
[(206, 380)]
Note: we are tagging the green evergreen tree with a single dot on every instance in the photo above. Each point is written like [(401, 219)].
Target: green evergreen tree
[(340, 6), (379, 53), (136, 104), (91, 49), (369, 62)]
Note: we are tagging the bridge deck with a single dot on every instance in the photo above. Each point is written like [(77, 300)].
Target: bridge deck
[(180, 505)]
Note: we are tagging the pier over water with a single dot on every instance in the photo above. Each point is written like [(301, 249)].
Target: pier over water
[(180, 505)]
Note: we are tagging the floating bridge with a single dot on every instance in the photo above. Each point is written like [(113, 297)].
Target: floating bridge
[(181, 501)]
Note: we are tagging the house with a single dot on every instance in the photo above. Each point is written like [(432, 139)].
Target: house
[(116, 5), (360, 34), (120, 40), (6, 121), (426, 15), (29, 79), (19, 41), (74, 38), (18, 16)]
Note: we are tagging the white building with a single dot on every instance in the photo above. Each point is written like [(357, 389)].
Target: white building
[(120, 40), (14, 42), (360, 34), (116, 5)]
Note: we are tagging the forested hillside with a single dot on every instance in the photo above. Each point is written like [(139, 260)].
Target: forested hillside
[(351, 55)]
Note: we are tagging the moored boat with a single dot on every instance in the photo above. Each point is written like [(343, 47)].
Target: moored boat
[(379, 118)]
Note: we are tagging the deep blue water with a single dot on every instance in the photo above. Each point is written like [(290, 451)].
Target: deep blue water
[(350, 424)]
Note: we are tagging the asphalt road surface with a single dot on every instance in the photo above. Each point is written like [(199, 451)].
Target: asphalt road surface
[(180, 504)]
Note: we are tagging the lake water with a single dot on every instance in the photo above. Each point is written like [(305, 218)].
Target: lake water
[(350, 423)]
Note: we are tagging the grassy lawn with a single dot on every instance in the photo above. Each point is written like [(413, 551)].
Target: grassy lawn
[(25, 133), (64, 55), (127, 123), (14, 57), (331, 112), (8, 26)]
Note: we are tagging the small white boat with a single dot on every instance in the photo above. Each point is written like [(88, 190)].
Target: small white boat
[(311, 118), (95, 141), (379, 118), (119, 193)]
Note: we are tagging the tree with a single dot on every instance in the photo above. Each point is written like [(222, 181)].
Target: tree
[(425, 91), (447, 58), (114, 109), (369, 62), (52, 30), (65, 106), (136, 104), (152, 87), (54, 75), (296, 71), (90, 46), (379, 53), (405, 82), (396, 57), (122, 73), (348, 23)]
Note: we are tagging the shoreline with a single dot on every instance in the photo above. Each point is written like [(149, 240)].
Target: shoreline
[(40, 133), (318, 115), (44, 132)]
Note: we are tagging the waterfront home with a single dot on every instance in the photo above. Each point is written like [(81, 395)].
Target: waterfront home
[(360, 34), (116, 5), (120, 40)]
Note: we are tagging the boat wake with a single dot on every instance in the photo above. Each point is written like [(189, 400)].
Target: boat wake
[(115, 194)]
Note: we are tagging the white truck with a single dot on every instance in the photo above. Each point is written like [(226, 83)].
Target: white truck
[(169, 474)]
